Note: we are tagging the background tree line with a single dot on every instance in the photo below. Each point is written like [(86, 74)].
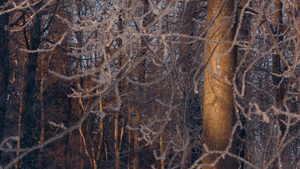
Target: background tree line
[(149, 84)]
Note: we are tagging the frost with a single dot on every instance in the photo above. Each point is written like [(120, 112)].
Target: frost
[(258, 111), (62, 126), (8, 140), (146, 62), (99, 113), (103, 79), (162, 157)]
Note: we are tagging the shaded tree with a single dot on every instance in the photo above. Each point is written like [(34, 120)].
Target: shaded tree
[(4, 69)]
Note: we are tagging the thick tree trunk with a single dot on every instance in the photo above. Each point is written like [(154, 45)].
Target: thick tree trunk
[(218, 94)]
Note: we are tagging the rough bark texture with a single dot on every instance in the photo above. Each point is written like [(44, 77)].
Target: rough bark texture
[(218, 98)]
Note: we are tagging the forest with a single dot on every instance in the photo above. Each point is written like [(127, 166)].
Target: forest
[(149, 84)]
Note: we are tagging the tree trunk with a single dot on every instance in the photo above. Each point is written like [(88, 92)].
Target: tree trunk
[(101, 127), (129, 143), (161, 146), (21, 106), (4, 71), (117, 136), (276, 66), (116, 142), (41, 98), (136, 157), (218, 94), (30, 115), (276, 58)]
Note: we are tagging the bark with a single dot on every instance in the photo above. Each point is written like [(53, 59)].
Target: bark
[(278, 68), (4, 71), (161, 147), (30, 117), (277, 65), (41, 98), (21, 106), (136, 157), (101, 127), (129, 143), (116, 142), (276, 58), (117, 136), (218, 95)]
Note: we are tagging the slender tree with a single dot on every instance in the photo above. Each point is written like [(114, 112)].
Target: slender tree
[(4, 70), (30, 114)]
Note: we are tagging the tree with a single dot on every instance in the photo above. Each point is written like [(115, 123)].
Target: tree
[(218, 96), (4, 70)]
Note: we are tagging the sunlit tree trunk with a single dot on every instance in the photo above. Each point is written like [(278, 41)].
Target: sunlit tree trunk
[(81, 112), (129, 144), (101, 127), (161, 147), (118, 134), (218, 94)]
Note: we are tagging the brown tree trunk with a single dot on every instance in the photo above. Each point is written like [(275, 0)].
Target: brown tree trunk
[(117, 135), (136, 158), (41, 98), (129, 143), (101, 127), (277, 65), (276, 58), (278, 68), (21, 106), (161, 146), (218, 94), (116, 142)]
